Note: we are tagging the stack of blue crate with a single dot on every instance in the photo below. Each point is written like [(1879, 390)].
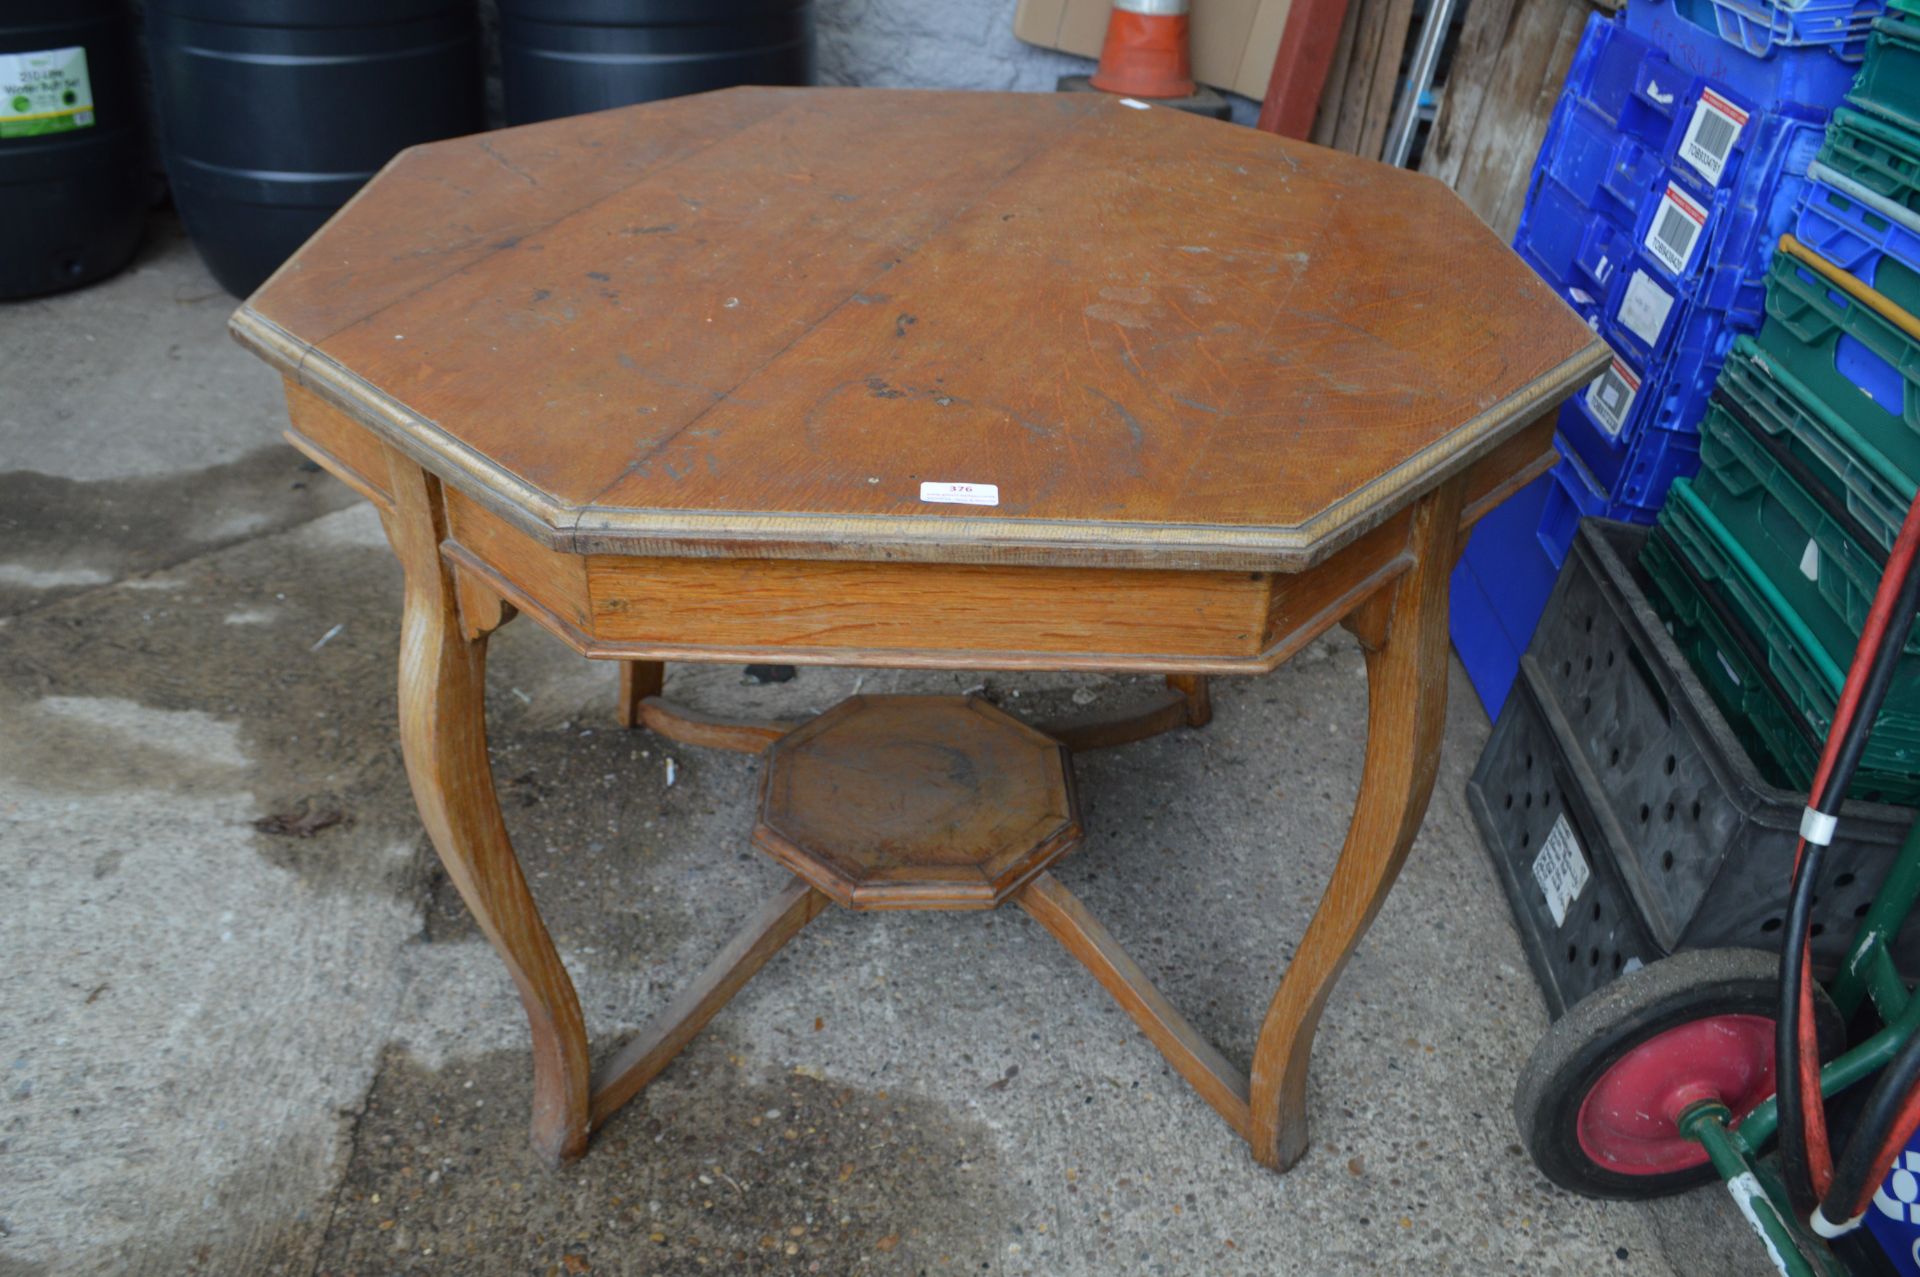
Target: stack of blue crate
[(1670, 168)]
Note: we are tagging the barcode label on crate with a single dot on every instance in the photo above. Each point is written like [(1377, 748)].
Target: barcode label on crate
[(1676, 228), (1560, 869), (1711, 135), (1644, 308), (1610, 395)]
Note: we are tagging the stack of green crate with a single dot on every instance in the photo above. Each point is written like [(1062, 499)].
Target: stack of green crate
[(1766, 563)]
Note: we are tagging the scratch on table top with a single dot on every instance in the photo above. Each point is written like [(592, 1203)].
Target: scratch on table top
[(508, 164), (1132, 422)]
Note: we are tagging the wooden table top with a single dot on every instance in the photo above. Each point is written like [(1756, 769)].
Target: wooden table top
[(756, 322)]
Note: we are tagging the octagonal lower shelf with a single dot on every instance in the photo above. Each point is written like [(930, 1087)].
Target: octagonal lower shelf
[(917, 802)]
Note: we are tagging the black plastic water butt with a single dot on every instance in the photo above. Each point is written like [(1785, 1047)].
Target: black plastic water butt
[(74, 181), (567, 57), (274, 112)]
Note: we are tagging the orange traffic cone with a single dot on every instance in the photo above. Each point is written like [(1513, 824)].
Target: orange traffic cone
[(1145, 54)]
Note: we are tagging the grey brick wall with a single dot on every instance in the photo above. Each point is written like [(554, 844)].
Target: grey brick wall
[(947, 44)]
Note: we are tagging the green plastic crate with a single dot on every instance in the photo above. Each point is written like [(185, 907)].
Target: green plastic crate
[(1806, 674), (1847, 356), (1889, 81), (1778, 741), (1811, 552), (1881, 156), (1874, 490)]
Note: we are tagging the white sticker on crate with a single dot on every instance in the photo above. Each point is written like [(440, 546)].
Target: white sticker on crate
[(1712, 134), (1810, 560), (1610, 395), (1560, 869), (1676, 228), (1727, 665), (1644, 308)]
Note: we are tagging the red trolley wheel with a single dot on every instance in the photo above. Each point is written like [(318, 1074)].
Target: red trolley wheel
[(1599, 1101)]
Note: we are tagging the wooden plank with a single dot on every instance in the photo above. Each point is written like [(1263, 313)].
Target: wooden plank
[(1326, 120), (725, 610), (1483, 33), (1356, 89), (1166, 711), (1508, 71), (1192, 1056), (1549, 43), (692, 727), (1300, 66), (638, 681), (556, 581), (881, 607), (641, 1060), (338, 444), (1386, 79)]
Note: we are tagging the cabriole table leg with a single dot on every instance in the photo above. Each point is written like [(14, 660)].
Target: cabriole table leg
[(1404, 633), (444, 737)]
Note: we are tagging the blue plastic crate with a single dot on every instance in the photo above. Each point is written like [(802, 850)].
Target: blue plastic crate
[(1686, 248), (1567, 244), (1499, 589), (1780, 74), (1636, 433), (1855, 229), (1645, 307), (1572, 497), (1753, 193), (1762, 202), (1491, 658), (1625, 80), (1604, 169), (1760, 28), (1501, 584)]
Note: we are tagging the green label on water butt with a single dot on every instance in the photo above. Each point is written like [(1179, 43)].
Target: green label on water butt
[(45, 92)]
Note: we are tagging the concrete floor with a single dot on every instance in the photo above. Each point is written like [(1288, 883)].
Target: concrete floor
[(230, 1048)]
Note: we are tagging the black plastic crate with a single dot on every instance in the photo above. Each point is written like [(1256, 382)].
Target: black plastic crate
[(1524, 795), (1686, 846)]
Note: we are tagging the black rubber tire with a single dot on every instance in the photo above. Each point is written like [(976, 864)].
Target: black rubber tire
[(1601, 1028)]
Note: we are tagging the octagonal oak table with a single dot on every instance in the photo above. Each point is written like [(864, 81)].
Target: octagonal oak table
[(929, 380)]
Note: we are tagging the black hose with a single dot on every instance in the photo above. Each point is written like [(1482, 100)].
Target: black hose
[(1853, 743)]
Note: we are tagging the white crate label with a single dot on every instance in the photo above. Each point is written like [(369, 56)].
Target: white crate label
[(1610, 395), (47, 91), (961, 493), (1727, 665), (1678, 221), (1711, 135), (1644, 308), (1602, 270), (1810, 560), (1560, 869)]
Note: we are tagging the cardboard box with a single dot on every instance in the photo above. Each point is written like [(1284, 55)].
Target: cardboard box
[(1234, 41)]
